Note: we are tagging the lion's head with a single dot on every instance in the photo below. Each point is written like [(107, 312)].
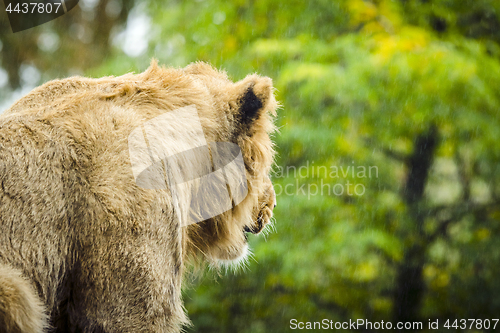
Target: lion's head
[(243, 113)]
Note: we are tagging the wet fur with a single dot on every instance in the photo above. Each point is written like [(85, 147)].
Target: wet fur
[(82, 247)]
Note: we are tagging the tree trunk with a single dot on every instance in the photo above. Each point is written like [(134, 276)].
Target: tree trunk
[(409, 284)]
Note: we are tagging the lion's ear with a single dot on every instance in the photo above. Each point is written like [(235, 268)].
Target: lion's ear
[(251, 98)]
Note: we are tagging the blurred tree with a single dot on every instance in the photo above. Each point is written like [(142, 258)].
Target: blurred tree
[(473, 19), (375, 85), (69, 44)]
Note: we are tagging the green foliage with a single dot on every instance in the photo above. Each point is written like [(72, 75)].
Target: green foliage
[(352, 97)]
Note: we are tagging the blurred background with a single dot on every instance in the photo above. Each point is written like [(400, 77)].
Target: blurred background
[(388, 170)]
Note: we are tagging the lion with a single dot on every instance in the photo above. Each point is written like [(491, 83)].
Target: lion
[(83, 247)]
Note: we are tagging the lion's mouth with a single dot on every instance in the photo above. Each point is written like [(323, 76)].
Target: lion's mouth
[(256, 229)]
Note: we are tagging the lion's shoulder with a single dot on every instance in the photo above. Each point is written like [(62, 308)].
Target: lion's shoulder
[(160, 87), (52, 91)]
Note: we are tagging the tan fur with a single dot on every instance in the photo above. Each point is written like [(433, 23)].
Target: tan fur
[(20, 309), (100, 253)]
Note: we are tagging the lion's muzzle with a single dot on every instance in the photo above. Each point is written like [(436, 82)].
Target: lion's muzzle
[(267, 204)]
